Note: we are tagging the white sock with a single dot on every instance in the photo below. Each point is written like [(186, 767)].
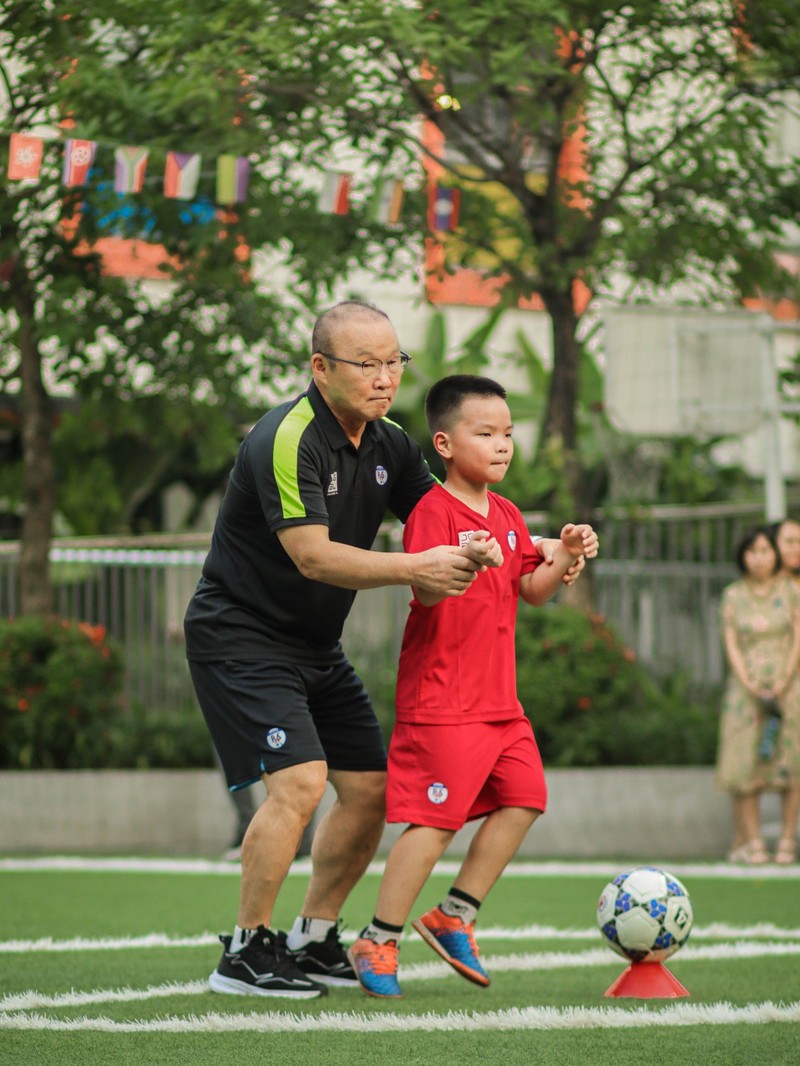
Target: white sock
[(458, 907), (381, 935), (305, 930), (241, 938)]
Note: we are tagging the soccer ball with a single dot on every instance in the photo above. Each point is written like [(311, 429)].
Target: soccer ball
[(645, 914)]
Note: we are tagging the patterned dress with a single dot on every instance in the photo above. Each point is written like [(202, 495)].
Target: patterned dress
[(764, 631)]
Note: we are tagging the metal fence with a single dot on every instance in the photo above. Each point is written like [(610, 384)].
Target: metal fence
[(658, 580)]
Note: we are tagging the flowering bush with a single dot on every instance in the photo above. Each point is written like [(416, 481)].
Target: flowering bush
[(60, 694), (592, 704)]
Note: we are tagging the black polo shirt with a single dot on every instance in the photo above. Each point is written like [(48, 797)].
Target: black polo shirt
[(296, 467)]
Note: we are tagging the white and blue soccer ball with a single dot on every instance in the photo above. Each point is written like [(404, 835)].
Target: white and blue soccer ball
[(645, 914)]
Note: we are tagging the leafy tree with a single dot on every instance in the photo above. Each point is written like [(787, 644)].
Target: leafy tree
[(595, 141), (157, 373), (592, 142)]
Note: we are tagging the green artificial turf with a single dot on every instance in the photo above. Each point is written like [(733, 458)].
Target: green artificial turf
[(62, 905)]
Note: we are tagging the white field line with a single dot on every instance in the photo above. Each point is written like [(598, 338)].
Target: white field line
[(427, 971), (713, 931), (544, 1018), (449, 868)]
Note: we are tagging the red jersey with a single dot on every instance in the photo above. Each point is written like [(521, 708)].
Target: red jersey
[(457, 661)]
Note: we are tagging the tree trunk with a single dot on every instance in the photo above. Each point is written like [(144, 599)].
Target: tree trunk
[(36, 593), (560, 431)]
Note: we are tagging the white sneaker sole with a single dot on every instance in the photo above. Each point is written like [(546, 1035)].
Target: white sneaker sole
[(217, 982), (335, 982)]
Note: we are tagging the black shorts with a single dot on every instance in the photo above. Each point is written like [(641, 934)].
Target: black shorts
[(264, 716)]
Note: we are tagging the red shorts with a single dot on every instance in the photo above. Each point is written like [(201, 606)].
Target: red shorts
[(446, 775)]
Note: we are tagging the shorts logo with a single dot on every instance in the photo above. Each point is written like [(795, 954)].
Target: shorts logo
[(512, 539), (381, 475), (437, 792), (333, 484), (276, 738)]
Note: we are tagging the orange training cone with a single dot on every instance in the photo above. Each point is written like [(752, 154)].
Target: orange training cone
[(647, 980)]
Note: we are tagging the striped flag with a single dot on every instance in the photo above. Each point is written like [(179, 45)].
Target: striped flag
[(130, 163), (233, 176), (334, 199), (24, 157), (181, 175), (387, 201), (443, 207), (78, 159)]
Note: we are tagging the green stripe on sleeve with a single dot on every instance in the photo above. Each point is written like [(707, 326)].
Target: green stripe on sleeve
[(284, 458)]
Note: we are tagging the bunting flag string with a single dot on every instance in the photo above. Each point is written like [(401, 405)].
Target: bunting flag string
[(182, 173), (130, 164), (444, 204), (233, 176), (334, 198), (78, 159), (24, 157), (387, 201)]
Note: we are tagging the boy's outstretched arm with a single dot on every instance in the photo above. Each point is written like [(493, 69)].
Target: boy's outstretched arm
[(548, 546), (577, 542)]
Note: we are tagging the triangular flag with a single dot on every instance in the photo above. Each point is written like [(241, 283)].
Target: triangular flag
[(387, 201), (334, 198), (181, 175), (24, 157), (233, 176), (78, 159), (443, 207), (130, 163)]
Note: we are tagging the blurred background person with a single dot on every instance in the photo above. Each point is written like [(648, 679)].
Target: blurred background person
[(759, 745), (787, 541)]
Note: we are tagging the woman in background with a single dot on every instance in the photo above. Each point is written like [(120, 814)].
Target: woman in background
[(759, 746), (787, 539)]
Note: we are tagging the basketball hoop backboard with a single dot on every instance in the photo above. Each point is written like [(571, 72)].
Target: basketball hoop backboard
[(674, 371)]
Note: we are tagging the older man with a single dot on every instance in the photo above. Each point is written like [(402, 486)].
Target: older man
[(311, 485)]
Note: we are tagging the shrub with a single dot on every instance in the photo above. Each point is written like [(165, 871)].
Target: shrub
[(158, 739), (60, 694), (62, 708), (592, 704)]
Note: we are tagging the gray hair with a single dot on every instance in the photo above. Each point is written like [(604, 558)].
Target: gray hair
[(322, 337)]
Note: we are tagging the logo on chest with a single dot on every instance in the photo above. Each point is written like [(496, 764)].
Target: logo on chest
[(333, 484), (381, 475)]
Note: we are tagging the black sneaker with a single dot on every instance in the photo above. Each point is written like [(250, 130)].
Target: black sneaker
[(326, 961), (262, 968)]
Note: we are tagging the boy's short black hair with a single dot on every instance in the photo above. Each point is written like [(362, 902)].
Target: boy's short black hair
[(748, 539), (445, 397)]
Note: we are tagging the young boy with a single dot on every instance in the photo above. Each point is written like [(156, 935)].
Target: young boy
[(462, 747)]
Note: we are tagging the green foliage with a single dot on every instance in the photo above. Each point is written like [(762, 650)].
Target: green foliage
[(115, 456), (589, 701), (592, 704), (60, 694), (176, 738), (62, 706)]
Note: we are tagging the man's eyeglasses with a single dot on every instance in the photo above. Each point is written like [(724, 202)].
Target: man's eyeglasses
[(372, 368)]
